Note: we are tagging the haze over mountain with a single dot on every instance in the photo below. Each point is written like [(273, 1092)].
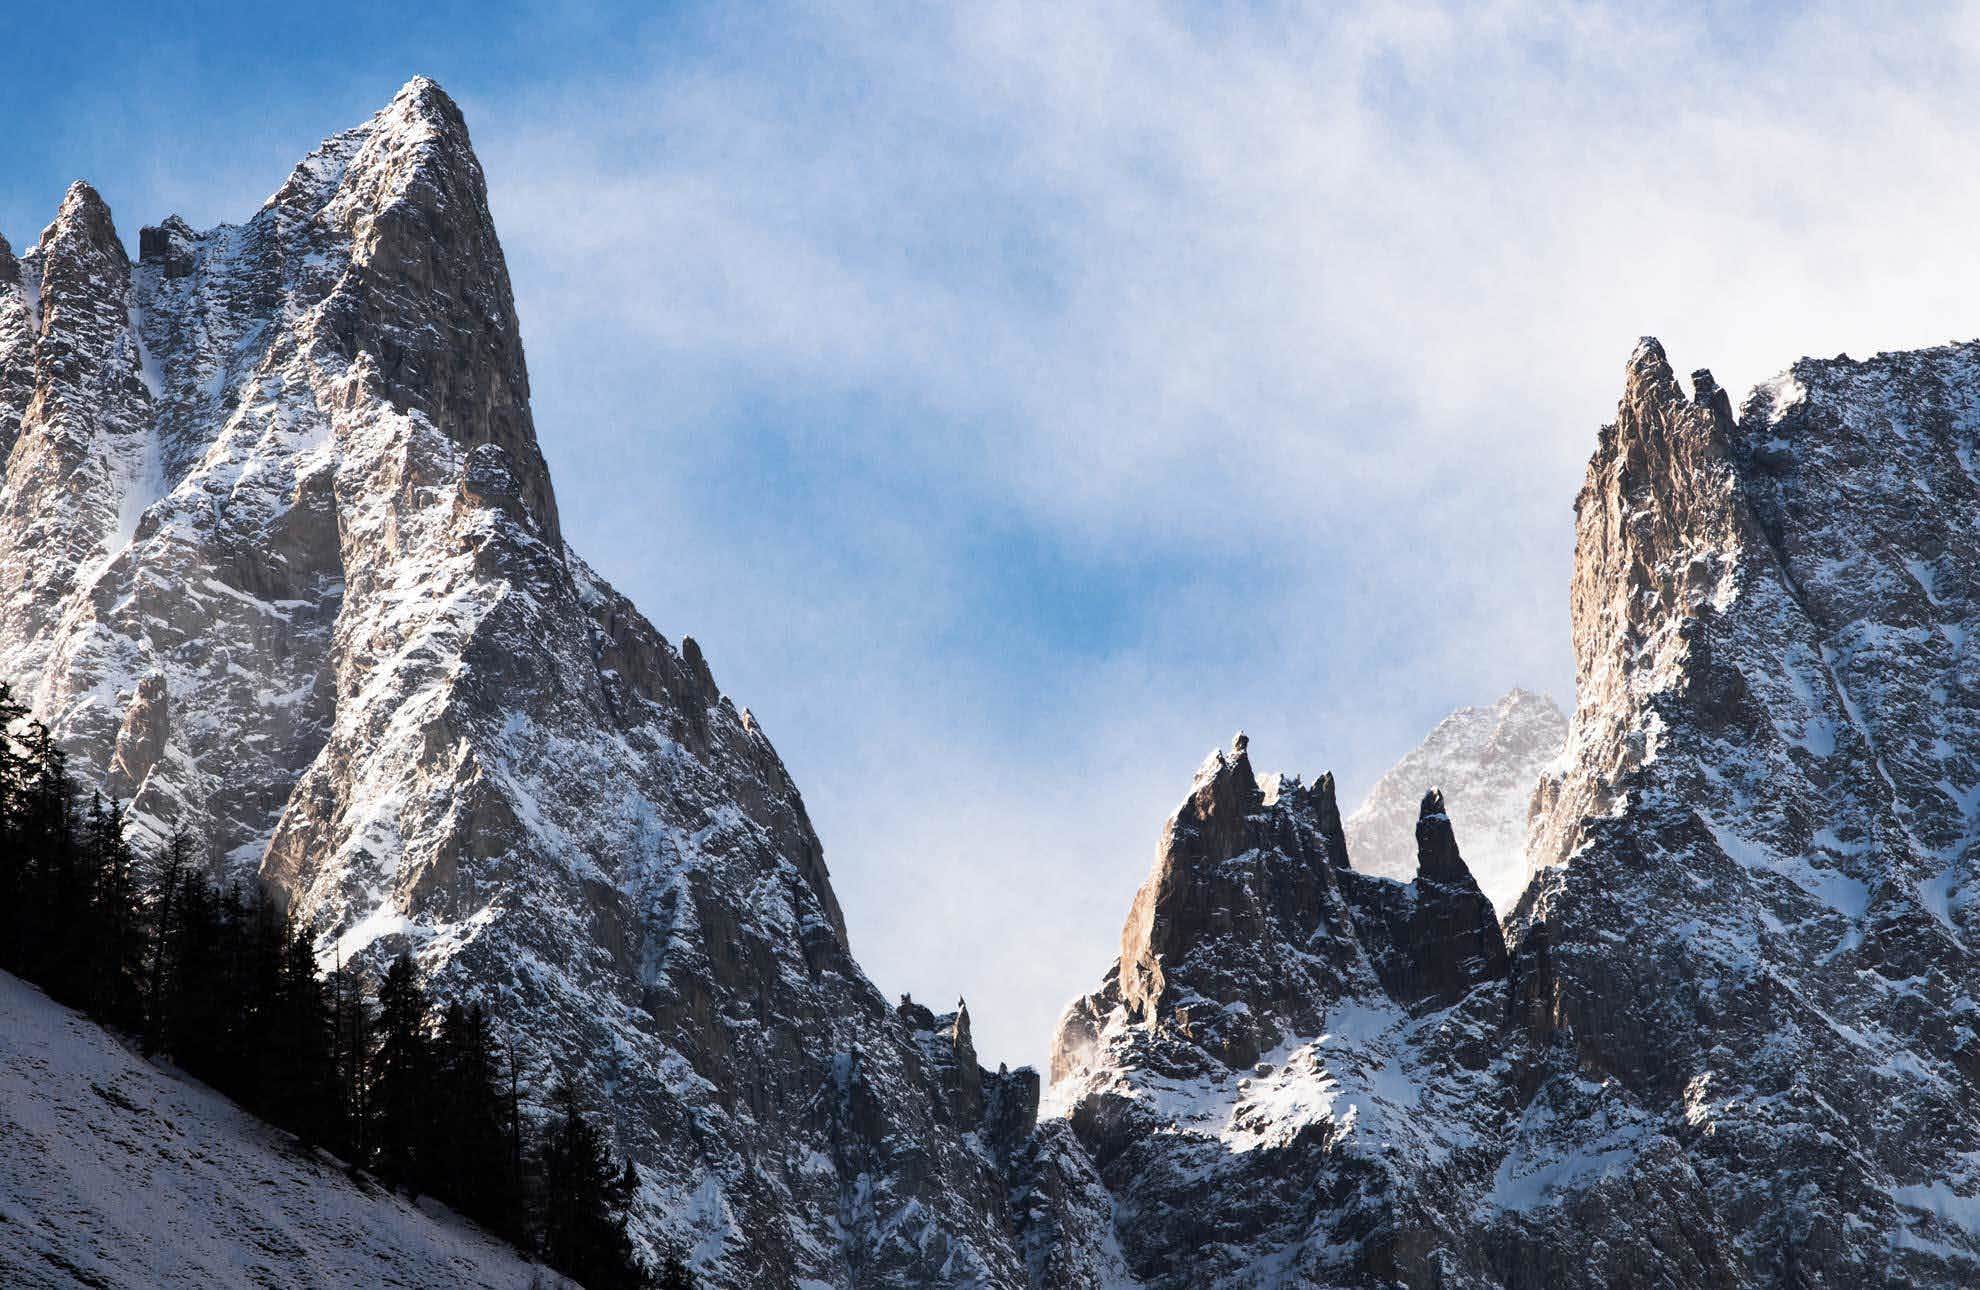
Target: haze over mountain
[(1490, 760)]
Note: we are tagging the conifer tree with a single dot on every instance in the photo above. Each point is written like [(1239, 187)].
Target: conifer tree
[(53, 898), (401, 1075), (116, 947), (582, 1209), (15, 844), (470, 1162), (302, 1093), (352, 1030), (196, 1021), (174, 866)]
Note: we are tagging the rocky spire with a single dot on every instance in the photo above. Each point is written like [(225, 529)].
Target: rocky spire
[(1250, 925), (432, 285), (1327, 815), (71, 364), (18, 324), (1435, 940), (1660, 525), (1454, 939), (1234, 879), (1437, 857)]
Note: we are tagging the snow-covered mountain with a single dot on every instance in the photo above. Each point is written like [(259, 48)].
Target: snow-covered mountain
[(1748, 976), (280, 562), (1486, 761), (115, 1173), (1736, 1040)]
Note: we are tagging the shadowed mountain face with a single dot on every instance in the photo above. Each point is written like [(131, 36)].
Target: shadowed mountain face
[(280, 563)]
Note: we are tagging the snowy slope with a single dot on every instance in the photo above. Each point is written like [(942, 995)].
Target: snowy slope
[(1486, 761), (115, 1173)]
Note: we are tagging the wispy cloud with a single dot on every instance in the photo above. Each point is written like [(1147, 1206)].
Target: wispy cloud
[(1016, 399)]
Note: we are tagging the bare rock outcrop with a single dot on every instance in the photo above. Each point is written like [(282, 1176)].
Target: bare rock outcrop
[(1284, 1042)]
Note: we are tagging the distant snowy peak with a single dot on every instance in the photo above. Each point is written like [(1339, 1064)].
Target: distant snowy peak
[(1486, 760)]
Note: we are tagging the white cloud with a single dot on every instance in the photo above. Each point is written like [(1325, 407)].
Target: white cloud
[(1282, 333)]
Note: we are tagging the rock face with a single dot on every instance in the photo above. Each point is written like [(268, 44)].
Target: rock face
[(1291, 1060), (1487, 762), (1759, 931), (280, 561), (1733, 1041)]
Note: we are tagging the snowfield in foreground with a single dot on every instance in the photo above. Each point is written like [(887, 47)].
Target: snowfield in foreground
[(114, 1172)]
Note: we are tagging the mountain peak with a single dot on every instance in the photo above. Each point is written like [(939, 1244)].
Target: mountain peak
[(83, 218), (423, 90), (1648, 358), (482, 753), (1437, 855), (1432, 806), (421, 102), (81, 196)]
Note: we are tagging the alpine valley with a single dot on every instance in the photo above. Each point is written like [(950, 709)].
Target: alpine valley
[(281, 568)]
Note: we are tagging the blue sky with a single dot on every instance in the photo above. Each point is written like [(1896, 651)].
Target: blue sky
[(1017, 400)]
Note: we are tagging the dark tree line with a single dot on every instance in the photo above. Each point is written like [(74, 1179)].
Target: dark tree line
[(224, 982)]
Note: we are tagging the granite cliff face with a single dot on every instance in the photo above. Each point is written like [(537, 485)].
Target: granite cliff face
[(280, 562), (1487, 762)]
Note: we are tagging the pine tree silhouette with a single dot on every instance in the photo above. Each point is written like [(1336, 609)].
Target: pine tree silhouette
[(401, 1075), (582, 1217)]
